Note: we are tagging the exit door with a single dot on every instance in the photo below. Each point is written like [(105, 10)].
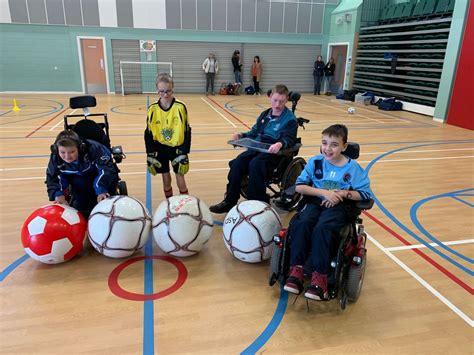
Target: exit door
[(94, 66), (339, 53)]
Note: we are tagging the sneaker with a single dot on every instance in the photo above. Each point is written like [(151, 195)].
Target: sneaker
[(294, 283), (222, 207), (318, 290)]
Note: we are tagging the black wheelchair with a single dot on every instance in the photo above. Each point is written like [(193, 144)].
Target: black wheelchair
[(348, 252), (87, 128), (282, 179)]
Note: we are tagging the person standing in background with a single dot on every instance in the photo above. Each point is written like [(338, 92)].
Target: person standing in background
[(329, 75), (318, 73), (236, 63), (256, 74), (210, 67)]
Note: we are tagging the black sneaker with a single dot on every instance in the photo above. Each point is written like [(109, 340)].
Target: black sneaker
[(222, 207)]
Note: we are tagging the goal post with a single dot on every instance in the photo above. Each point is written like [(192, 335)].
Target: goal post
[(139, 77)]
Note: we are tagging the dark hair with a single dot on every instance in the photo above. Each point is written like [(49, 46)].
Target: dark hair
[(256, 57), (68, 138), (236, 52), (337, 130)]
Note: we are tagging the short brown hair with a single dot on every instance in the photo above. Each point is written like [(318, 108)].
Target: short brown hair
[(68, 138), (164, 78), (280, 89)]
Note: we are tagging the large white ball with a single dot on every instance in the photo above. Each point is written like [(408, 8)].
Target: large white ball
[(248, 230), (119, 226), (182, 225), (351, 110)]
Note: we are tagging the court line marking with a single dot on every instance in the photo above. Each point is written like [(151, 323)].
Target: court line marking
[(413, 234), (345, 111), (226, 160), (220, 114), (61, 121), (416, 222), (216, 169), (148, 306), (425, 284), (44, 124), (420, 246)]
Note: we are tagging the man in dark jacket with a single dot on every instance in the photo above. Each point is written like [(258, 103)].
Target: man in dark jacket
[(276, 126), (82, 168)]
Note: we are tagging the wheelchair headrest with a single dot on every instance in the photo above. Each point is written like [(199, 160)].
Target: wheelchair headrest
[(82, 101), (352, 151)]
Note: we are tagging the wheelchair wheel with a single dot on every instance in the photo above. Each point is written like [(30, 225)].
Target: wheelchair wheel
[(122, 188), (289, 201), (275, 265), (355, 278)]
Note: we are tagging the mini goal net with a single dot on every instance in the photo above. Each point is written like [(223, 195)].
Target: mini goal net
[(139, 77)]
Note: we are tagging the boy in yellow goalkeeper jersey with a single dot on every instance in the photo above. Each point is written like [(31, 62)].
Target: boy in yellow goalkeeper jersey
[(168, 136)]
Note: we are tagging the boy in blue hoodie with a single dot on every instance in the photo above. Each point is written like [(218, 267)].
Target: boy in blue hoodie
[(327, 181)]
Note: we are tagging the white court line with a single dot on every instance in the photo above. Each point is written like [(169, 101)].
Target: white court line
[(430, 288), (61, 120), (220, 114), (211, 169), (226, 160), (339, 109), (419, 246)]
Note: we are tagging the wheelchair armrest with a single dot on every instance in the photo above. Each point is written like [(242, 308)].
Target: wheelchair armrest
[(365, 204), (291, 150)]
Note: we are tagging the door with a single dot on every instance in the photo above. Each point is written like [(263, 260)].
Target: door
[(94, 66), (339, 53)]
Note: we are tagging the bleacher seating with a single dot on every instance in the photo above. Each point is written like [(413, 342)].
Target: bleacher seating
[(416, 33)]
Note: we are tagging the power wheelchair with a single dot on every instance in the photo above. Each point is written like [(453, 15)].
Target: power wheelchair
[(87, 128), (282, 179), (348, 252)]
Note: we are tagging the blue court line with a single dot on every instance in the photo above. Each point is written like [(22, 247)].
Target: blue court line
[(9, 269), (462, 201), (402, 226), (413, 214), (148, 305), (274, 322), (224, 149), (271, 327)]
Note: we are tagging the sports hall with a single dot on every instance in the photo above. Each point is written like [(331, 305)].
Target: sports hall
[(417, 291)]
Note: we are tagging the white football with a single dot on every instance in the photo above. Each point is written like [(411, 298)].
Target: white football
[(182, 225), (119, 226), (248, 230)]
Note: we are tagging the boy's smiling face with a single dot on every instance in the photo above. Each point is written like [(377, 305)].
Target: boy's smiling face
[(68, 154), (332, 148)]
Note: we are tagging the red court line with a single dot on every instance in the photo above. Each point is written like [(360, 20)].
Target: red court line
[(423, 255), (44, 124), (230, 113)]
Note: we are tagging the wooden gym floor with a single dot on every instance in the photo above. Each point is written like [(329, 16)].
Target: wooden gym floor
[(417, 294)]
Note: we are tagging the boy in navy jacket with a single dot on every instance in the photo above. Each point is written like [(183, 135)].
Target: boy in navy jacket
[(83, 168), (276, 126)]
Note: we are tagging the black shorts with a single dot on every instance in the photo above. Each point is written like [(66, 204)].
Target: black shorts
[(165, 156)]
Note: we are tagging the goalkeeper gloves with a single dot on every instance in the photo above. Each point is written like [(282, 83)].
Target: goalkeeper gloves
[(183, 163), (152, 163)]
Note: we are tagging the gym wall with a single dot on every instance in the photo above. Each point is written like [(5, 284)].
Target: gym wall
[(42, 46)]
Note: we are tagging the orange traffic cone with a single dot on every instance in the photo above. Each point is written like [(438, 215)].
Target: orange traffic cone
[(15, 107)]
